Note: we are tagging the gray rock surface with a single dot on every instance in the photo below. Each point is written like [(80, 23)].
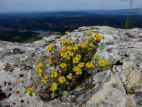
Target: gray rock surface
[(121, 86)]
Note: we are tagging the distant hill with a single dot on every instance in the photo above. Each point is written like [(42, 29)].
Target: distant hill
[(124, 12), (136, 11), (20, 27)]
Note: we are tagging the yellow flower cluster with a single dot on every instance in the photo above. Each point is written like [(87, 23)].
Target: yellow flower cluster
[(66, 53), (92, 37), (77, 70), (96, 36), (70, 62), (66, 41), (54, 74), (99, 36), (80, 45), (39, 67), (85, 45), (76, 59), (76, 47)]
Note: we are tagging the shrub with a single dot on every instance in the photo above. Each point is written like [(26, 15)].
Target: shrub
[(66, 65)]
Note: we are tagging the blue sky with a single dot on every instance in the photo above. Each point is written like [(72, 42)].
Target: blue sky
[(11, 6)]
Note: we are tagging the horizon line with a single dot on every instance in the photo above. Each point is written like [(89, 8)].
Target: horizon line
[(68, 11)]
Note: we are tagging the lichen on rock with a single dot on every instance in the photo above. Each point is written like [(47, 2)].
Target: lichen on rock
[(120, 86)]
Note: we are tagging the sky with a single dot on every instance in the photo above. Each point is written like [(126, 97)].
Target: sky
[(14, 6)]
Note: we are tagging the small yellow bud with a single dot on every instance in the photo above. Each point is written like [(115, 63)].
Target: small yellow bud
[(69, 76), (50, 48), (30, 90)]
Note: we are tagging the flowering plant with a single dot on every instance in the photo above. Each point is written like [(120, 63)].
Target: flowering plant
[(71, 63)]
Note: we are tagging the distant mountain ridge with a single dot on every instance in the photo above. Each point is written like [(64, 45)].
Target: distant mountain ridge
[(124, 12), (136, 11)]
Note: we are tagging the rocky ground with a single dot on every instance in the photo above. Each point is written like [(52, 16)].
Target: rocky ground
[(121, 86)]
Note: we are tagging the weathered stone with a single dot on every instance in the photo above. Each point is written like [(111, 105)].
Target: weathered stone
[(121, 86)]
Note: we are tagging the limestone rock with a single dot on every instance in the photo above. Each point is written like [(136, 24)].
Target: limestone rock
[(120, 86)]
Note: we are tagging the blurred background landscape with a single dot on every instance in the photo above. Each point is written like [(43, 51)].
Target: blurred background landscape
[(26, 25)]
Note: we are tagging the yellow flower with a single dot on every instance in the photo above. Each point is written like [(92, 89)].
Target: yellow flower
[(50, 48), (92, 37), (39, 65), (63, 65), (99, 36), (103, 62), (62, 79), (70, 53), (96, 56), (44, 80), (54, 74), (69, 76), (76, 69), (69, 48), (63, 55), (53, 87), (79, 44), (76, 59), (66, 33), (50, 60), (66, 55), (85, 44), (78, 56), (63, 49), (39, 72), (89, 65), (66, 41), (89, 32), (78, 72), (30, 89), (81, 65), (92, 45), (75, 47)]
